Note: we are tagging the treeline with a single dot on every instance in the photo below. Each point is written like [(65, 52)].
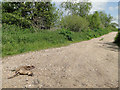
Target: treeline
[(44, 15), (78, 17), (28, 26)]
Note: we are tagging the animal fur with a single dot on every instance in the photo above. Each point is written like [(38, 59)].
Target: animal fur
[(23, 70)]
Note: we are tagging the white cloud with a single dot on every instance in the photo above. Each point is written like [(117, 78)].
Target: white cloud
[(96, 6), (115, 19), (85, 0), (99, 1), (111, 8), (100, 5)]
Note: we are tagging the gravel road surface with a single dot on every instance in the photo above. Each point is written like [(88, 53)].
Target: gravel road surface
[(87, 64)]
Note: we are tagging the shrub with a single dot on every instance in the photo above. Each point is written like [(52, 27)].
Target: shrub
[(10, 19), (117, 39), (95, 22), (74, 23), (67, 33), (17, 40), (112, 28)]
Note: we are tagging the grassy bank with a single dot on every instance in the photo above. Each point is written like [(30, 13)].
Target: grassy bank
[(117, 39), (16, 40)]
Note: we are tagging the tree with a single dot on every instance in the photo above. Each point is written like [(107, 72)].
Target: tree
[(74, 23), (40, 14), (95, 22), (10, 7), (105, 19), (15, 13), (117, 39), (81, 9), (114, 25), (45, 14)]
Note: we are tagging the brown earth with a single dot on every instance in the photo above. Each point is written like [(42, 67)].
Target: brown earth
[(87, 64)]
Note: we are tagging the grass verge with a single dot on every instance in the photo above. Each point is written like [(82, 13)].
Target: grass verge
[(16, 40), (117, 39)]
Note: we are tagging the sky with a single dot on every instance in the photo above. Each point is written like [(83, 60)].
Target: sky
[(108, 6)]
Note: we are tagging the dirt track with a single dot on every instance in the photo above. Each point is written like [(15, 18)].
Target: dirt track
[(86, 64)]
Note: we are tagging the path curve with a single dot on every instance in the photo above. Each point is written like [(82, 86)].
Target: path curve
[(87, 64)]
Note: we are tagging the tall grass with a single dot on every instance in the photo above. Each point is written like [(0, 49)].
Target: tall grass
[(16, 40)]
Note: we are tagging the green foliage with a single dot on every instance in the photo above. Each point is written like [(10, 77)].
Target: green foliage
[(113, 28), (117, 39), (16, 40), (10, 19), (81, 9), (31, 17), (45, 14), (67, 33), (95, 21), (39, 14), (74, 23), (101, 39), (101, 20), (10, 7), (105, 19)]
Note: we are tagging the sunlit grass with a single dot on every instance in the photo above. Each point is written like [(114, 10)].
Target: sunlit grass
[(16, 40)]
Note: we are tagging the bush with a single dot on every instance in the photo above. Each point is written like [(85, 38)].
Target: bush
[(17, 40), (112, 28), (10, 19), (67, 33), (117, 39), (95, 22), (74, 23)]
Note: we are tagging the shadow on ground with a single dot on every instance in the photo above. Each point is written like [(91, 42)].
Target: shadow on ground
[(110, 46)]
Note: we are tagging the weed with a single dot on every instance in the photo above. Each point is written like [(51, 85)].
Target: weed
[(101, 39), (16, 40)]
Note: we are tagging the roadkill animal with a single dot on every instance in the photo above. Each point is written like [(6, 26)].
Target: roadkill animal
[(23, 70)]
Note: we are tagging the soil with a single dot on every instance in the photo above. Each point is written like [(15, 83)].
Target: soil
[(87, 64)]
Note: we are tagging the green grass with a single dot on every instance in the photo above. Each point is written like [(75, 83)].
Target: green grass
[(16, 40), (117, 39), (101, 39)]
